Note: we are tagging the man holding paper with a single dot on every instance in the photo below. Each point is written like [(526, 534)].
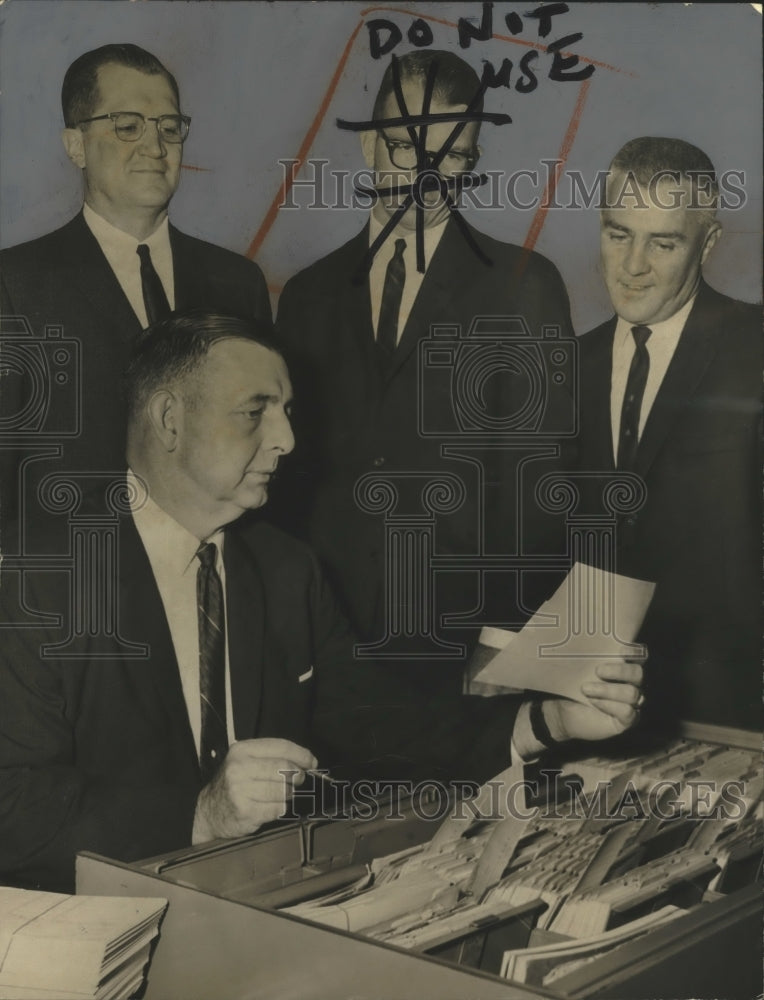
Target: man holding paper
[(229, 672), (671, 394)]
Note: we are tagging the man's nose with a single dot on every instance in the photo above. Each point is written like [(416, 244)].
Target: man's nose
[(151, 142), (281, 438), (635, 260)]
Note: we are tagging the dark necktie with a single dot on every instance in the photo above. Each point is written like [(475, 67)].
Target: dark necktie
[(154, 298), (390, 307), (209, 605), (628, 436)]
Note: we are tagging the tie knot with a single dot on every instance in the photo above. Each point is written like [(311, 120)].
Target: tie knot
[(207, 553), (400, 247), (641, 335), (143, 252)]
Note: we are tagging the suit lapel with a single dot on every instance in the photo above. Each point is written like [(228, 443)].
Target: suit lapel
[(594, 402), (245, 608), (188, 283), (92, 277), (142, 619), (696, 348), (355, 315)]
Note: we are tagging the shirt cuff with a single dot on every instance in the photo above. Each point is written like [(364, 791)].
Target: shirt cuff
[(524, 745)]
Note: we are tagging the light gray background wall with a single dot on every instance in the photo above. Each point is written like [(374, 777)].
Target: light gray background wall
[(253, 75)]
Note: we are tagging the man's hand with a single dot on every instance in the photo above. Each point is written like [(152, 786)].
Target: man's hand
[(249, 789), (616, 700)]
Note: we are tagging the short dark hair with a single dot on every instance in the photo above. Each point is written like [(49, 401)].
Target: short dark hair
[(174, 348), (79, 93), (456, 81), (650, 156)]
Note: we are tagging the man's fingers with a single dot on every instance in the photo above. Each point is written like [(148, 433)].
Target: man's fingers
[(298, 757), (264, 779), (621, 671), (265, 769), (626, 694), (625, 712)]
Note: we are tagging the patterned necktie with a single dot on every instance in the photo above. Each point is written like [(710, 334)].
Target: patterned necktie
[(154, 297), (628, 437), (209, 605), (390, 306)]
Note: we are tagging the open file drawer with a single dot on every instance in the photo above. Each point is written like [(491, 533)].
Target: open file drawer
[(221, 939)]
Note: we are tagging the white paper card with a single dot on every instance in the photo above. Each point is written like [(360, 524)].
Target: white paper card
[(593, 615)]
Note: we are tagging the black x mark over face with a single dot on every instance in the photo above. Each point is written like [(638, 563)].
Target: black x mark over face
[(432, 145), (444, 138)]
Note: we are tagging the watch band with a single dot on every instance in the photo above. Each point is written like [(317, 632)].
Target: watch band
[(539, 726)]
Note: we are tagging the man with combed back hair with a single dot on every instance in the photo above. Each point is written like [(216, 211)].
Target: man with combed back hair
[(229, 671), (118, 265), (671, 392)]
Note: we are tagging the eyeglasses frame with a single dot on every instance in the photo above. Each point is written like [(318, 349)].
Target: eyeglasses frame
[(112, 115), (470, 158)]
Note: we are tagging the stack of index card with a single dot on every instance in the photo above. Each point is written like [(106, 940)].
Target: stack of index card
[(59, 947)]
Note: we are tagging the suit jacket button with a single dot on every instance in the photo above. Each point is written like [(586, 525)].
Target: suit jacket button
[(378, 462)]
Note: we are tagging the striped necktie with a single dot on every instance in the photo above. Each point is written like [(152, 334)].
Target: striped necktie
[(628, 436), (209, 605)]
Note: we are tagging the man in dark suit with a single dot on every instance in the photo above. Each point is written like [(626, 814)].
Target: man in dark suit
[(670, 391), (222, 671), (354, 326), (100, 279)]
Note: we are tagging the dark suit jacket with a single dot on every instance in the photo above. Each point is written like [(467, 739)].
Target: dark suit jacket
[(63, 280), (96, 751), (350, 419), (698, 533)]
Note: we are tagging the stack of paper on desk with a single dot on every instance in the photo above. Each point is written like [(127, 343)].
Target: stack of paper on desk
[(592, 615), (74, 947)]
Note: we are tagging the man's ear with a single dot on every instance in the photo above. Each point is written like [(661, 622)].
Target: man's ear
[(165, 411), (712, 238), (369, 147), (74, 146)]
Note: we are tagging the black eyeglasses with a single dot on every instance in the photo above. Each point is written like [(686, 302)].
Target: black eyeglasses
[(130, 126), (403, 155)]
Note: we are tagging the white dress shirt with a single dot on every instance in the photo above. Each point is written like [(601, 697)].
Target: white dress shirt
[(121, 251), (172, 554), (661, 345), (414, 278)]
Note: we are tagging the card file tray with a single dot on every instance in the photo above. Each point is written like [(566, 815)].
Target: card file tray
[(221, 936)]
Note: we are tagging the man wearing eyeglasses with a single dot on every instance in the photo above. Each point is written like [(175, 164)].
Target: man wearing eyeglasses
[(352, 325), (118, 266)]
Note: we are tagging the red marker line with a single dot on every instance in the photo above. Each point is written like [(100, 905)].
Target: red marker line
[(286, 187), (502, 38), (567, 143)]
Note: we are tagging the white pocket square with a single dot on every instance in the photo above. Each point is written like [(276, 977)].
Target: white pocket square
[(306, 676)]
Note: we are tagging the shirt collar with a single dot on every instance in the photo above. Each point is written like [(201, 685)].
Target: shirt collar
[(120, 241), (432, 237), (666, 329), (168, 543)]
